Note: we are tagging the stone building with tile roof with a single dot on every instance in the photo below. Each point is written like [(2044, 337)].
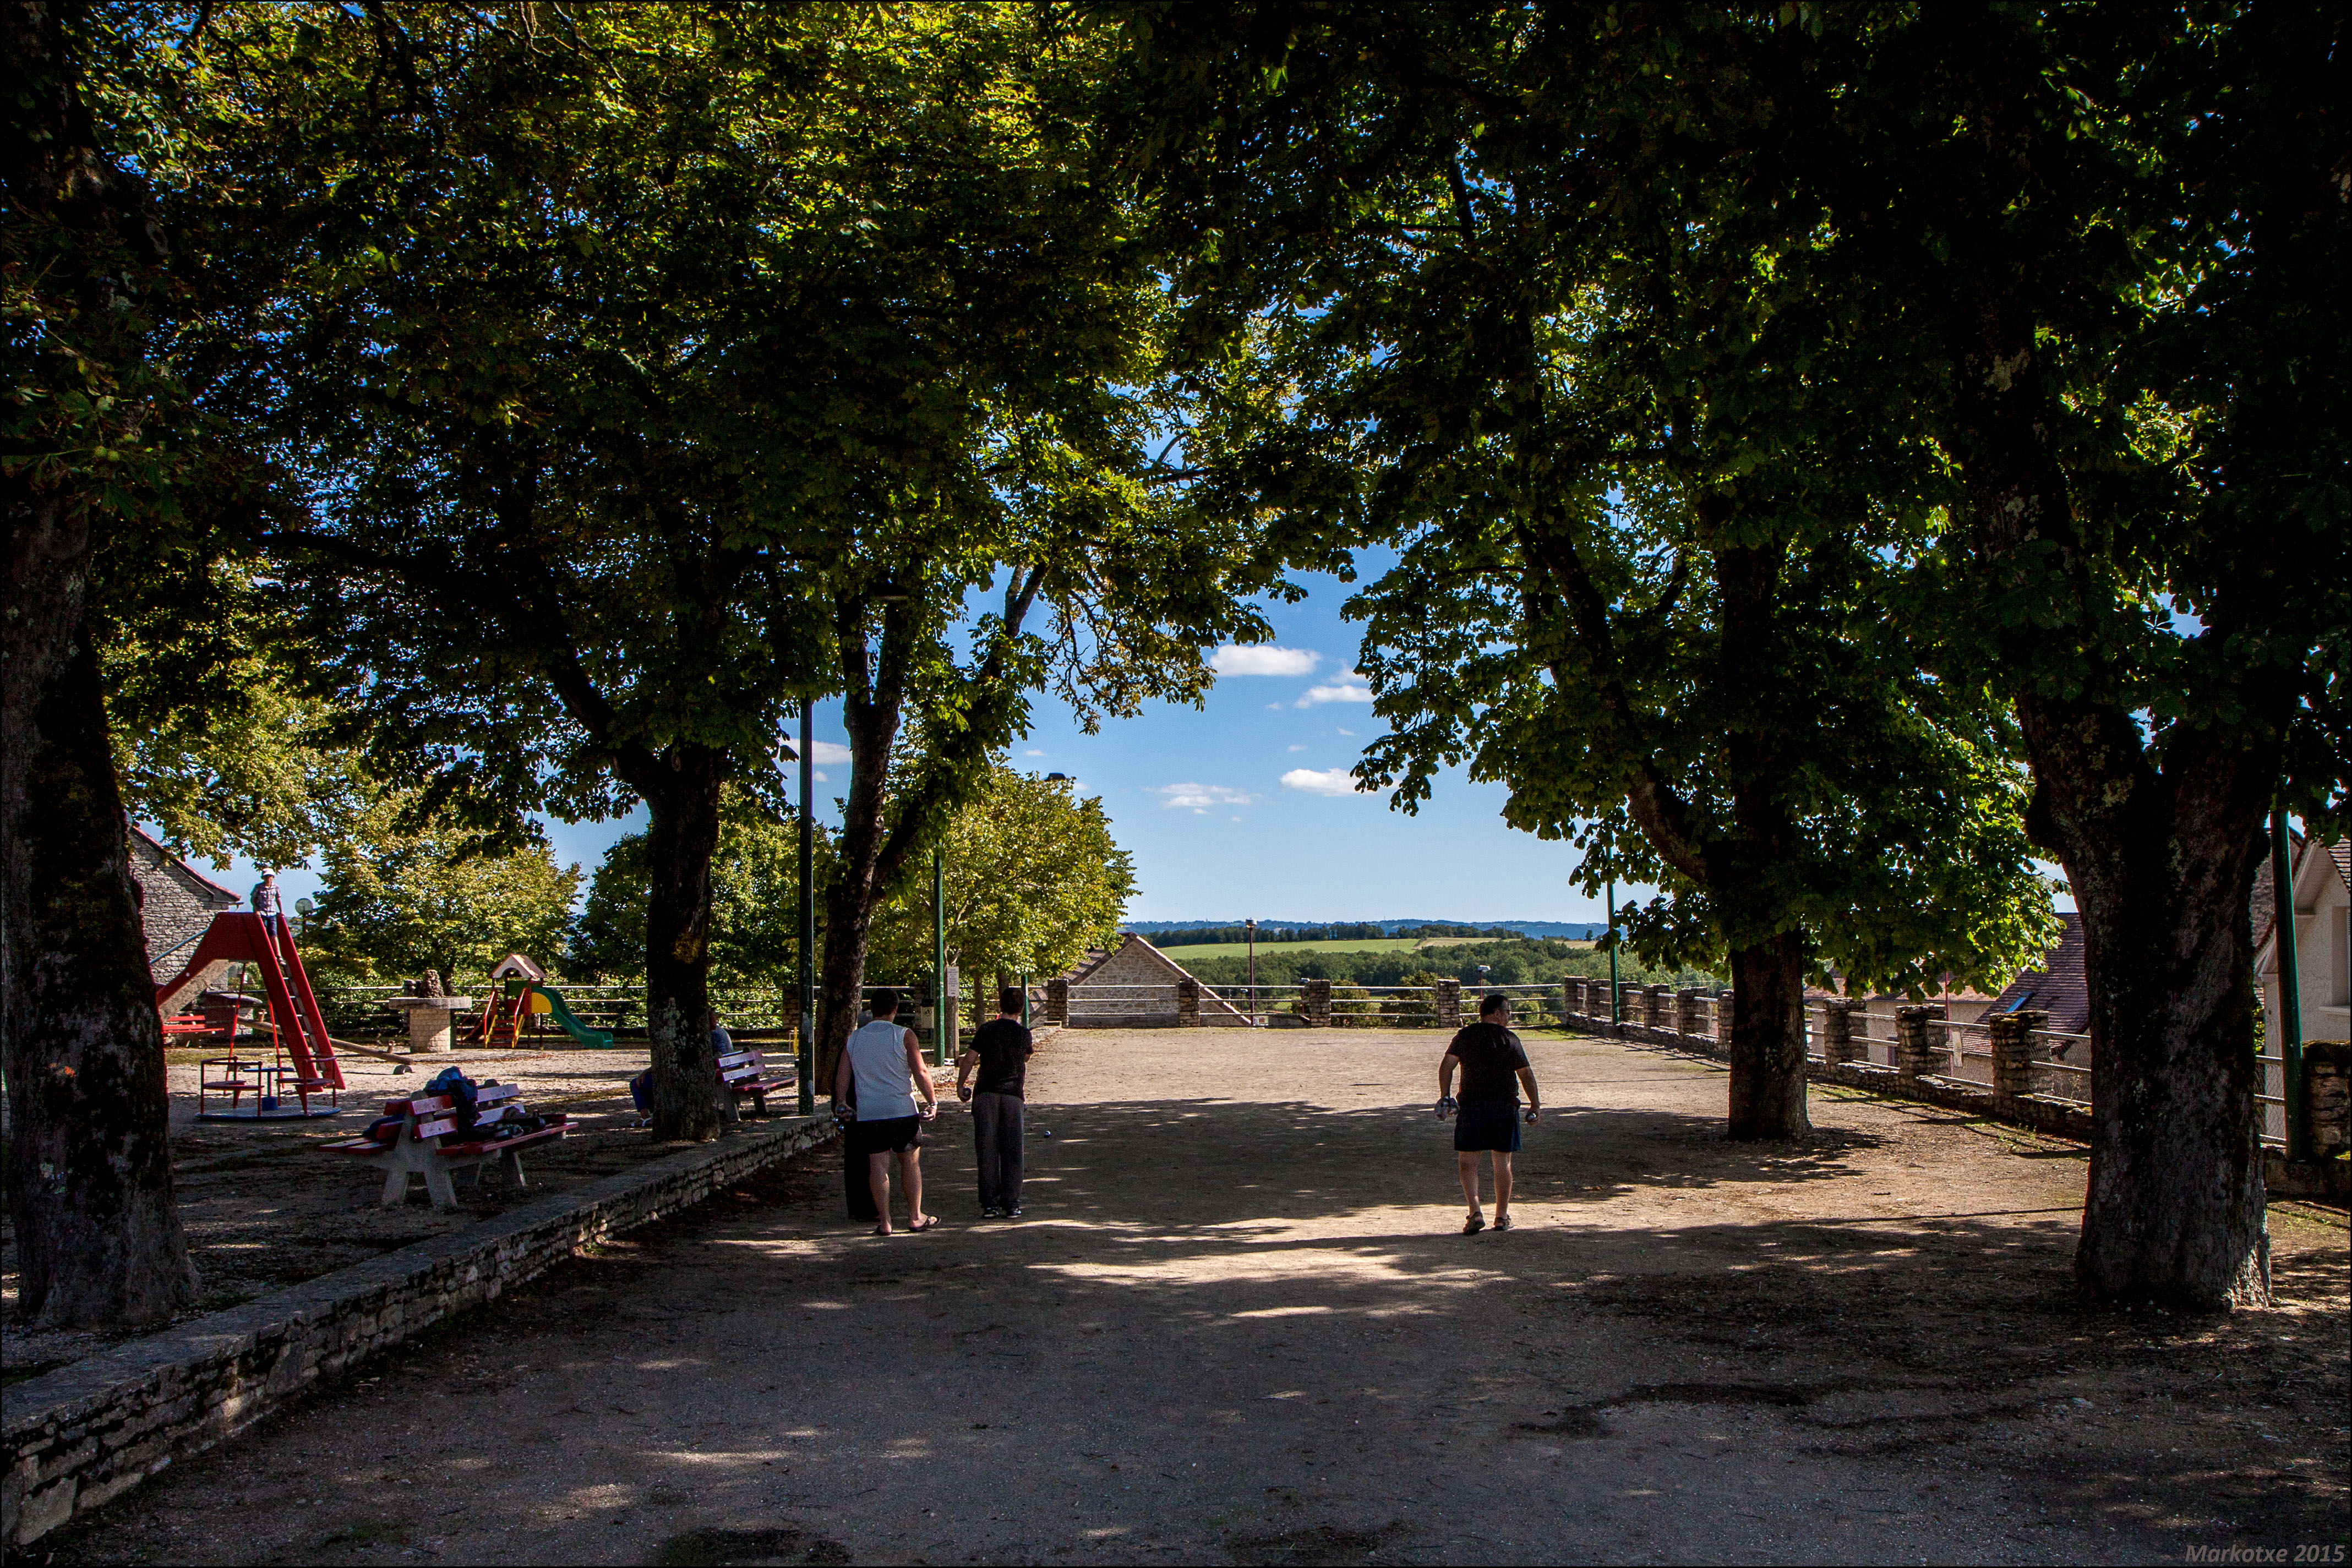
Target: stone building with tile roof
[(1136, 986), (176, 902)]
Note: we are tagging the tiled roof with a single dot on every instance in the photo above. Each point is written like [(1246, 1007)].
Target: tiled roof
[(2058, 987)]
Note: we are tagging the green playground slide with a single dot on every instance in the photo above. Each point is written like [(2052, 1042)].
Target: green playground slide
[(600, 1038)]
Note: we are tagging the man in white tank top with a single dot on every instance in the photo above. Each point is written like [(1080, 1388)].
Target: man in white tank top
[(880, 1068)]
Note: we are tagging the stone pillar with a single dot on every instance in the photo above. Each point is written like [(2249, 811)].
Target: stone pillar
[(1188, 1002), (1653, 1008), (431, 1020), (1916, 1056), (1572, 1000), (1687, 1012), (1449, 1004), (1837, 1046), (2012, 1053), (1723, 1018), (1315, 995), (1058, 1000), (2327, 1096)]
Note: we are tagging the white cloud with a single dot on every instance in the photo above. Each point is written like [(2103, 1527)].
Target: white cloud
[(1348, 688), (1297, 749), (827, 751), (1234, 660), (1198, 797), (820, 775), (1032, 751), (1349, 733), (1327, 781)]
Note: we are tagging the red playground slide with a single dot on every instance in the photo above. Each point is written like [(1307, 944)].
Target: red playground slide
[(266, 943)]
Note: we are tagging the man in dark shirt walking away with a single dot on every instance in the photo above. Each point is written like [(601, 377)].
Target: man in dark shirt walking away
[(1000, 1049), (1493, 1064)]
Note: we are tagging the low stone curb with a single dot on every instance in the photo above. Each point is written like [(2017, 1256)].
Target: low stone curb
[(86, 1433)]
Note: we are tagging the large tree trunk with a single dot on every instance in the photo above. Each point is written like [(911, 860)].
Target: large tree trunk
[(1768, 1040), (89, 1173), (681, 839), (871, 714), (1767, 971), (875, 844), (2158, 863)]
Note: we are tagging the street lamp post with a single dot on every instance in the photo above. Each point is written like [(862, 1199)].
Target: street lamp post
[(2290, 979), (805, 1062), (1251, 927), (1616, 1006), (944, 1026)]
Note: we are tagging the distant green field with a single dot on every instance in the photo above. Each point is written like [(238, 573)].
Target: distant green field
[(1241, 949)]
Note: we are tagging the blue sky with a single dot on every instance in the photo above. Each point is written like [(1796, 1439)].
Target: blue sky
[(1242, 809)]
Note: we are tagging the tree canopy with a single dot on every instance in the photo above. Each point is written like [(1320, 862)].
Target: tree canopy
[(398, 901)]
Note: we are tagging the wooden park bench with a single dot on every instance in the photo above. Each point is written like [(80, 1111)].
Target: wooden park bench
[(416, 1149), (746, 1073)]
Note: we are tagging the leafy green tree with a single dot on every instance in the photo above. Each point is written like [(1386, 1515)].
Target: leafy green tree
[(2121, 250), (1033, 880), (399, 900), (97, 445), (233, 757), (755, 902), (649, 370), (1569, 339)]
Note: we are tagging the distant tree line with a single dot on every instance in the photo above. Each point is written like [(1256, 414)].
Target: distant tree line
[(1341, 931), (1517, 961)]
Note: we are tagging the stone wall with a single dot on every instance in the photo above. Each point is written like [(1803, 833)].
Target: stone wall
[(86, 1433), (173, 906), (2003, 1100)]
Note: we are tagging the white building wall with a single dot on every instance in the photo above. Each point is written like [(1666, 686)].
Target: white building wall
[(2323, 943)]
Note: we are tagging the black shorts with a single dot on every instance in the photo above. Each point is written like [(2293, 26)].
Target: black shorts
[(894, 1135), (1487, 1124)]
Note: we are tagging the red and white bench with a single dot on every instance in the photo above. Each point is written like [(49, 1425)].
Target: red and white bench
[(746, 1073), (415, 1147)]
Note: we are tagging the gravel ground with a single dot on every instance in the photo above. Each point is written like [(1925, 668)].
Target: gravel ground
[(1240, 1325)]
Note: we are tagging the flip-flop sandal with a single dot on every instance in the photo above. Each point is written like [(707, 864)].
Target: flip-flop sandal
[(877, 1230), (931, 1222), (1475, 1224), (1503, 1223)]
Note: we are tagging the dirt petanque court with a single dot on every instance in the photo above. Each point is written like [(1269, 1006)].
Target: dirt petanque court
[(1239, 1324)]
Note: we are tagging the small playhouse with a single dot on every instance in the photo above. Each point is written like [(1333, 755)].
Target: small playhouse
[(519, 996)]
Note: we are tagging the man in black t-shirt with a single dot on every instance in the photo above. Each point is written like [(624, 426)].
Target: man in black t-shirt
[(1000, 1051), (1493, 1064)]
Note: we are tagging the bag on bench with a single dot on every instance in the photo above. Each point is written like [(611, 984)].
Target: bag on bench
[(462, 1098)]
